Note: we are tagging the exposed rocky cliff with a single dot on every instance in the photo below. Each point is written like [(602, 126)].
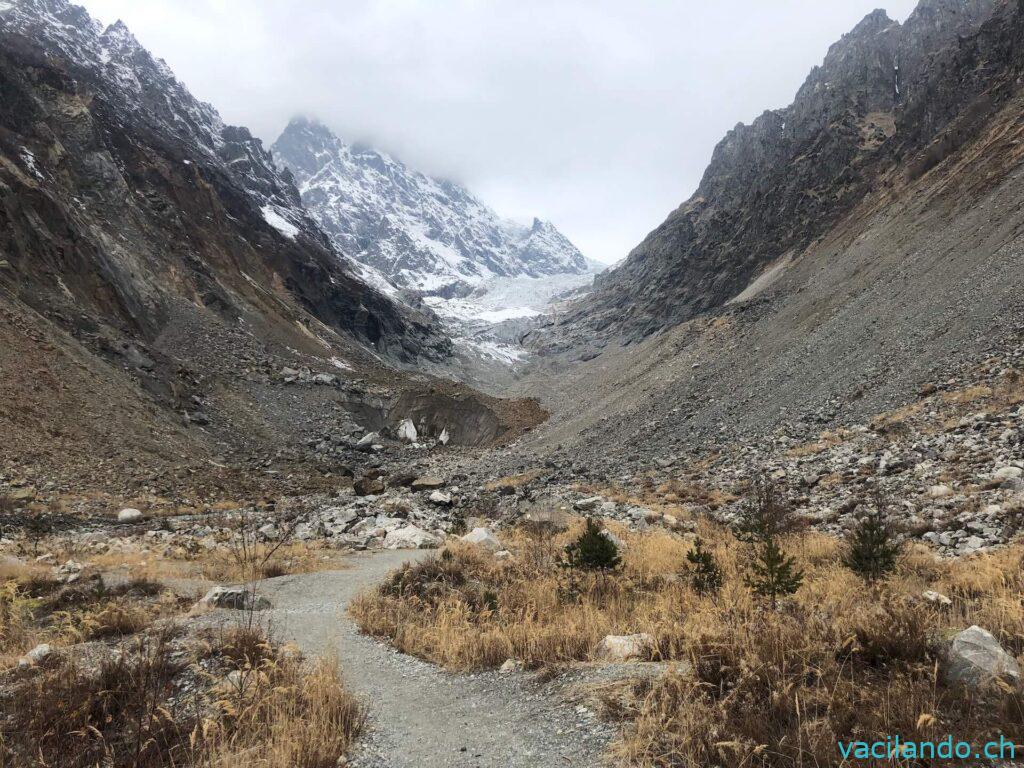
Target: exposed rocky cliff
[(124, 195), (421, 233), (869, 118), (159, 276)]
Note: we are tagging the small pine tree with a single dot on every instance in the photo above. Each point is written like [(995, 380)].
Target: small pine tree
[(873, 550), (704, 574), (593, 550), (774, 574)]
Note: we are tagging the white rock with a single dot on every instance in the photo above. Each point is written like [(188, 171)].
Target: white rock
[(1004, 474), (407, 431), (936, 597), (625, 647), (411, 537), (940, 491), (510, 666), (36, 655), (440, 497), (129, 515), (368, 439), (975, 659), (235, 598), (484, 538)]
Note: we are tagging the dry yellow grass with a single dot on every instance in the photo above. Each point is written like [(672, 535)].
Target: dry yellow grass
[(281, 714), (272, 711), (513, 481), (771, 688), (827, 439)]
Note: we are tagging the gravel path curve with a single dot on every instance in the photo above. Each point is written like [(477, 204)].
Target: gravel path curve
[(420, 716)]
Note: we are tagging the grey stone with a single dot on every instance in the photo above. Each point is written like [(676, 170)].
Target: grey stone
[(975, 659), (235, 598)]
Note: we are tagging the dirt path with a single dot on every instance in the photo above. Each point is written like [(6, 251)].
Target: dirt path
[(422, 717)]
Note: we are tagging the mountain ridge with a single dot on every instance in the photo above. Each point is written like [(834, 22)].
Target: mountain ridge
[(774, 186), (420, 233)]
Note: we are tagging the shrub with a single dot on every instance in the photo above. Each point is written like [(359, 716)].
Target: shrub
[(594, 550), (704, 575), (773, 574), (873, 550), (117, 715)]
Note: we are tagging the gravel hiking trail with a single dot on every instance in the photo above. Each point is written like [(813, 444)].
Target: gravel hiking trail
[(420, 715)]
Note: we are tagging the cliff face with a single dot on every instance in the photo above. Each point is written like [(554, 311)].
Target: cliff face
[(863, 121), (124, 200)]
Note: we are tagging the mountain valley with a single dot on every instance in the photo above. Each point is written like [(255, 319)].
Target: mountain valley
[(273, 378)]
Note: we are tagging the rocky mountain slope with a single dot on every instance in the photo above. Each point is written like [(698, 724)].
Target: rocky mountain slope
[(424, 234), (890, 273), (167, 302), (889, 102)]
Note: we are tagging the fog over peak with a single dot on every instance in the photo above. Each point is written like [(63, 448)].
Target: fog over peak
[(599, 116)]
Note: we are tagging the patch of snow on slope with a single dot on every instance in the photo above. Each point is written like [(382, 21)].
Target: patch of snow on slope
[(489, 322), (30, 161), (279, 222)]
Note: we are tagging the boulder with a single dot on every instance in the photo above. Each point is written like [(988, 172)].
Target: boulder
[(129, 515), (975, 659), (70, 572), (339, 516), (369, 442), (411, 537), (936, 598), (552, 519), (427, 483), (36, 656), (21, 494), (368, 486), (625, 647), (407, 431), (484, 538), (235, 599), (368, 439), (1007, 475), (441, 498)]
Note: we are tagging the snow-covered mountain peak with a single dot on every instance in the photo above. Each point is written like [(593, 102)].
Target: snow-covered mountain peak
[(421, 233)]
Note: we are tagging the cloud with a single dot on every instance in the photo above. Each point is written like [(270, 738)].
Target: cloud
[(597, 115)]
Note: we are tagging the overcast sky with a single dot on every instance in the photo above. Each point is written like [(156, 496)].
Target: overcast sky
[(599, 115)]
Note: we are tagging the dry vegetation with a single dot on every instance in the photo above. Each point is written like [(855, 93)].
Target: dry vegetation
[(35, 608), (161, 701), (753, 686)]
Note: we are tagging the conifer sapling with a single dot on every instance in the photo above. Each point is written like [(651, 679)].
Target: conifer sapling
[(704, 574), (593, 550)]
